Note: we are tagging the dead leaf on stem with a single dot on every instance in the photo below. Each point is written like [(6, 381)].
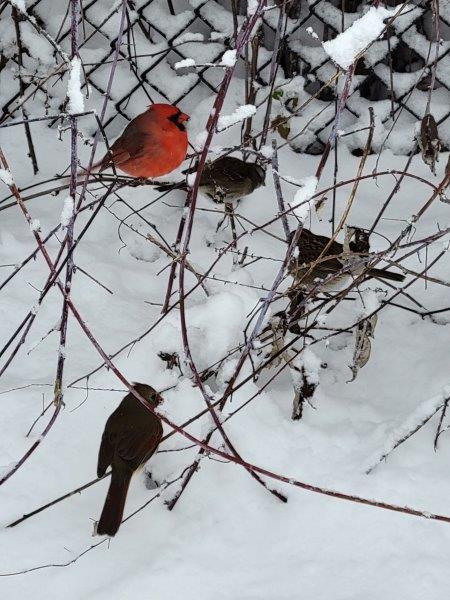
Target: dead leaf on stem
[(429, 142), (364, 331)]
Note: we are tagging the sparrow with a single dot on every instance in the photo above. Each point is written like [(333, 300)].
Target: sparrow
[(153, 144), (226, 179), (310, 246), (132, 434)]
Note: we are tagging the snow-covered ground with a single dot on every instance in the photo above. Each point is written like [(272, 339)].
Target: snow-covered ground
[(227, 537)]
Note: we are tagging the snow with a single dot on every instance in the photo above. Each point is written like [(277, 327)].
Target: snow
[(301, 204), (38, 47), (312, 33), (219, 17), (420, 415), (19, 4), (228, 59), (189, 36), (6, 177), (200, 139), (333, 15), (158, 14), (217, 36), (76, 100), (311, 363), (173, 86), (67, 211), (197, 3), (266, 151), (186, 62), (35, 225), (240, 114), (252, 7), (345, 47), (370, 302)]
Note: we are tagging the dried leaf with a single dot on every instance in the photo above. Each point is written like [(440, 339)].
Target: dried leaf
[(429, 142), (364, 331), (171, 359), (282, 126), (319, 203)]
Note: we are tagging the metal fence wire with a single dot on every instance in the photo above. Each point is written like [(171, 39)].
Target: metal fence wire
[(394, 76)]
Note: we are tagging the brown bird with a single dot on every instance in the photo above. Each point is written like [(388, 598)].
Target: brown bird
[(132, 434), (310, 247), (152, 144), (226, 179)]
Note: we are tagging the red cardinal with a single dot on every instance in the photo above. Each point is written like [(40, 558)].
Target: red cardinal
[(152, 144)]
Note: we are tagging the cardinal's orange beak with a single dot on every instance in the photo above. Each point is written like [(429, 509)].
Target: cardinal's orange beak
[(182, 117)]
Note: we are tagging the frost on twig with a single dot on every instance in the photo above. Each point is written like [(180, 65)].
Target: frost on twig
[(416, 420), (67, 211)]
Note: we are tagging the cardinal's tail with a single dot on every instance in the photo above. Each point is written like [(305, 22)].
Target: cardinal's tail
[(384, 274), (112, 512)]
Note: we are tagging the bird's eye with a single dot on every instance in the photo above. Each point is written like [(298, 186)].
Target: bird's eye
[(175, 120), (174, 117)]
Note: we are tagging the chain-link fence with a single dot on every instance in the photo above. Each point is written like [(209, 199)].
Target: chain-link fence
[(394, 76)]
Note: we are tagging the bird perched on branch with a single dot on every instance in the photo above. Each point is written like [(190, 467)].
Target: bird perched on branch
[(310, 264), (152, 144), (226, 179), (132, 434)]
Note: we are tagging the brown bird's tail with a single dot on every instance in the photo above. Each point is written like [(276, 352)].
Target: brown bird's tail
[(389, 275), (112, 512)]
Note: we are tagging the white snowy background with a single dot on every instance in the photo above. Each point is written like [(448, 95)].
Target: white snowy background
[(227, 538)]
